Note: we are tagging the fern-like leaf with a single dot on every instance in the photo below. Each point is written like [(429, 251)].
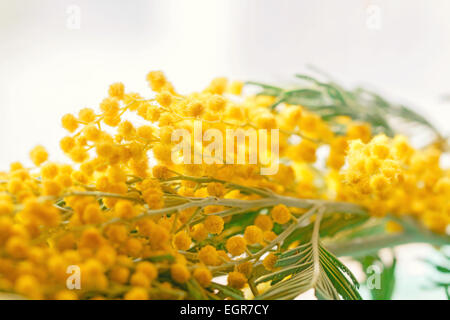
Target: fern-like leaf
[(310, 266)]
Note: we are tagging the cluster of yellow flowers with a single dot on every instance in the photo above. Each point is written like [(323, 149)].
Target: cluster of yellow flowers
[(142, 227), (389, 176)]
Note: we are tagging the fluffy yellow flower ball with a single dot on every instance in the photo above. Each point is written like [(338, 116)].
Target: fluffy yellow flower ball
[(203, 276), (209, 256), (236, 245), (124, 209), (182, 241), (269, 261), (69, 122), (137, 294), (147, 268), (216, 189), (281, 214), (253, 235), (38, 155), (214, 224), (119, 274), (264, 222), (245, 268), (236, 280), (179, 273), (117, 90), (199, 232)]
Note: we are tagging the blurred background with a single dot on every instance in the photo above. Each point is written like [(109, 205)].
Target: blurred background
[(57, 56)]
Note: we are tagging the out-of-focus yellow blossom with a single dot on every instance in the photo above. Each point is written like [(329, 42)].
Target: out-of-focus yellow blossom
[(236, 280), (280, 214), (203, 276)]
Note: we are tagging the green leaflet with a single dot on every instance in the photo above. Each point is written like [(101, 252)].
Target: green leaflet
[(340, 266), (228, 291), (299, 254), (336, 272), (195, 290), (442, 267)]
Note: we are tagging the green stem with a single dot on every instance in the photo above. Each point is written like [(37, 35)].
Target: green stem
[(232, 185), (315, 249)]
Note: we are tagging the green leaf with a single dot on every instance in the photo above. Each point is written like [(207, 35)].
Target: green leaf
[(268, 90), (387, 283), (445, 269), (335, 271), (335, 261), (304, 93), (330, 100), (442, 269), (330, 226), (334, 281), (240, 222), (286, 260), (388, 278), (195, 290), (310, 266), (244, 219), (228, 291)]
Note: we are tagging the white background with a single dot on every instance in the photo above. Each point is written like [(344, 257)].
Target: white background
[(48, 68)]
